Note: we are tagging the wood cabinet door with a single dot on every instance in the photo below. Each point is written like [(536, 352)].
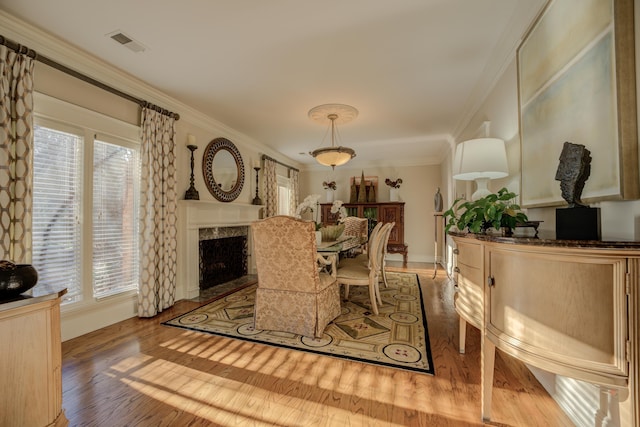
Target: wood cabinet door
[(561, 311), (393, 213)]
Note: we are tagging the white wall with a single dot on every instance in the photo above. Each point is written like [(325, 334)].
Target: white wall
[(419, 184)]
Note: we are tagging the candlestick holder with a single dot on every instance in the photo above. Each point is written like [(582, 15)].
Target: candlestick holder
[(192, 193), (257, 200)]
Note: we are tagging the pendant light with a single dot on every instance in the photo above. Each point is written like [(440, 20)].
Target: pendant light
[(333, 113)]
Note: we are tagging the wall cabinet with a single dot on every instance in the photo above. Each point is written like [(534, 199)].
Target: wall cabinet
[(569, 308), (375, 212), (31, 366)]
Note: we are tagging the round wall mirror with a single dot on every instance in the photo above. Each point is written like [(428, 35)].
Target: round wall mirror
[(223, 170)]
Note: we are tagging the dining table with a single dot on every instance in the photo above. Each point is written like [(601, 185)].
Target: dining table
[(332, 250)]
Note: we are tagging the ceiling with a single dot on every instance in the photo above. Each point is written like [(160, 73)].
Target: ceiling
[(414, 69)]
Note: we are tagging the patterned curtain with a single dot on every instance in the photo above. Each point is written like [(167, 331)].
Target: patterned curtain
[(295, 189), (16, 155), (270, 188), (158, 205)]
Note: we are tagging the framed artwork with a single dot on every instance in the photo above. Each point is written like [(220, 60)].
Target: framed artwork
[(576, 83)]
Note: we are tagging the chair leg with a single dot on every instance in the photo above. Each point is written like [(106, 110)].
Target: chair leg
[(384, 274), (373, 297), (378, 296), (346, 291)]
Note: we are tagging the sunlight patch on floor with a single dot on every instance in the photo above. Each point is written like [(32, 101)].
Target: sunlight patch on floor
[(224, 401)]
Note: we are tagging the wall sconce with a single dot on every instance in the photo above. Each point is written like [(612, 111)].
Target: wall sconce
[(480, 160)]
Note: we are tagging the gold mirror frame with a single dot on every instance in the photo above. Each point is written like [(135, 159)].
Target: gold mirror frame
[(213, 148)]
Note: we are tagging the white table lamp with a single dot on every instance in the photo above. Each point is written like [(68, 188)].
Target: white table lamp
[(480, 160)]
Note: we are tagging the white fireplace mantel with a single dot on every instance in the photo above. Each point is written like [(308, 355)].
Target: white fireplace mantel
[(196, 214)]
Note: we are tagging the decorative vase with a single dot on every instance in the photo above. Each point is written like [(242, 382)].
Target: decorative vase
[(331, 233), (318, 237), (394, 194), (437, 201), (329, 195), (16, 279)]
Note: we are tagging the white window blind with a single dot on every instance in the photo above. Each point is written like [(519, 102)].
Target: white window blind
[(57, 201), (115, 219)]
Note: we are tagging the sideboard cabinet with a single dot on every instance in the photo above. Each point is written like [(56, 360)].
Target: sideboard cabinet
[(567, 307), (375, 212), (31, 366)]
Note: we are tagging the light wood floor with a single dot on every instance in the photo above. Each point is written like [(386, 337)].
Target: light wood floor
[(140, 373)]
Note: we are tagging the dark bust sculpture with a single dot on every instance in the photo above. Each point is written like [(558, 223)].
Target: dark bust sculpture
[(573, 171)]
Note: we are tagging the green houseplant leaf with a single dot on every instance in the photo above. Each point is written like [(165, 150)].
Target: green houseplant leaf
[(495, 210)]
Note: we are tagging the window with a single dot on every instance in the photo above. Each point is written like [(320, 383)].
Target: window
[(115, 219), (57, 197), (284, 195), (85, 202)]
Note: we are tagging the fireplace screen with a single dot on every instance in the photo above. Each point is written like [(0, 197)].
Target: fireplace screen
[(222, 260)]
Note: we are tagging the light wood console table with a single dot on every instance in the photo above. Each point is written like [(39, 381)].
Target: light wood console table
[(567, 307), (31, 367)]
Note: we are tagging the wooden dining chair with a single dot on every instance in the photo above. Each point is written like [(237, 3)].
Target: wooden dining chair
[(383, 261), (364, 258), (357, 273)]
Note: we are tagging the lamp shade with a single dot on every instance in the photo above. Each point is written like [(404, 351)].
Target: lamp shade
[(333, 156), (480, 158)]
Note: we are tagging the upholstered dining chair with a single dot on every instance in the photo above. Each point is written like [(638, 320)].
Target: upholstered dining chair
[(352, 272), (356, 227), (292, 295)]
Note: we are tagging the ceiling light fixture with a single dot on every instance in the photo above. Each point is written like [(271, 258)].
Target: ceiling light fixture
[(333, 114)]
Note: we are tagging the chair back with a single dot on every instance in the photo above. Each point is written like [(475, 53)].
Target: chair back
[(373, 234), (285, 252), (376, 247), (354, 226), (385, 240)]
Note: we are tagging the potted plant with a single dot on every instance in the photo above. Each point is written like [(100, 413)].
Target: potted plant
[(395, 186), (330, 188), (497, 210)]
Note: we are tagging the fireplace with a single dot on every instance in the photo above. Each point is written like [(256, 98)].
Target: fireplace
[(222, 255), (206, 220)]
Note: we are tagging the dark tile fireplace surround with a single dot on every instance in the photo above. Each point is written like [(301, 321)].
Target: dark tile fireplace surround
[(222, 255)]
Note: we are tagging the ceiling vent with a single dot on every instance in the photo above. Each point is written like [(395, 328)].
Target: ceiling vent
[(127, 41)]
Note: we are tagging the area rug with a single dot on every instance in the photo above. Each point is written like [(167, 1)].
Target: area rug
[(397, 337)]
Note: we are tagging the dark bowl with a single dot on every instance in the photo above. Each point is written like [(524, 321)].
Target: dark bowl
[(17, 281)]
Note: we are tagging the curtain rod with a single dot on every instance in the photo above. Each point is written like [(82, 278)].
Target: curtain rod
[(17, 47), (265, 157)]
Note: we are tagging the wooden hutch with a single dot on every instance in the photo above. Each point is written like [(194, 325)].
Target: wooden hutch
[(375, 212)]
